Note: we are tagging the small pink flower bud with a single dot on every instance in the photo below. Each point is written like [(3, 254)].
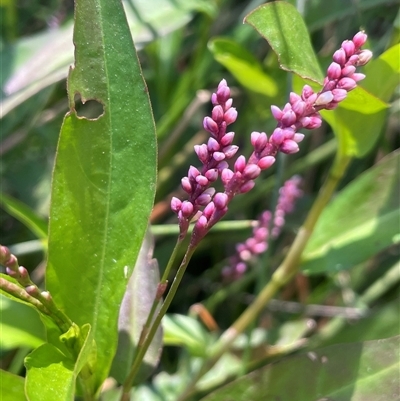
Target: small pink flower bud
[(307, 92), (353, 60), (359, 39), (214, 99), (230, 116), (348, 70), (230, 151), (277, 136), (324, 98), (315, 121), (217, 114), (228, 104), (226, 175), (253, 137), (334, 71), (209, 210), (294, 98), (251, 171), (346, 83), (218, 156), (298, 137), (193, 172), (357, 76), (176, 204), (213, 145), (210, 125), (221, 166), (339, 57), (212, 174), (240, 164), (289, 118), (186, 185), (348, 47), (32, 290), (202, 152), (339, 95), (201, 180), (223, 92), (205, 198), (289, 146), (187, 209), (276, 112), (363, 57), (266, 162), (246, 187), (201, 224), (227, 139), (220, 200), (299, 107), (260, 142), (259, 248)]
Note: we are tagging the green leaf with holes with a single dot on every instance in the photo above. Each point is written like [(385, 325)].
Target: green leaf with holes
[(104, 178)]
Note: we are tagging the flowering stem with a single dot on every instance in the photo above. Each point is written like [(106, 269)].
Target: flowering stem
[(282, 275), (143, 346)]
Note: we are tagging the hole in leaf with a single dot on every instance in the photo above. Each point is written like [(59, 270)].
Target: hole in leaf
[(90, 109)]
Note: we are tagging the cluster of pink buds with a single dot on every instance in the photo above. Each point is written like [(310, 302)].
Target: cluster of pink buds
[(258, 242), (301, 112)]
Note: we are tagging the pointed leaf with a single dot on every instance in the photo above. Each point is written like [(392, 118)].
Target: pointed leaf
[(243, 66), (284, 29), (104, 178), (356, 371), (362, 220), (48, 369), (135, 308)]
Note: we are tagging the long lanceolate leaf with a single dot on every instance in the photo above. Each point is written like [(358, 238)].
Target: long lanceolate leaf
[(104, 178)]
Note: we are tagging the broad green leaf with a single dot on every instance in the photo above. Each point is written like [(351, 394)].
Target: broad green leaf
[(43, 59), (284, 29), (363, 371), (49, 370), (135, 308), (180, 330), (20, 325), (362, 220), (25, 215), (383, 74), (243, 66), (11, 387), (104, 178)]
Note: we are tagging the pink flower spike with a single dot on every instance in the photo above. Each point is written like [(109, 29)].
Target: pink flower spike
[(339, 95), (220, 200), (289, 146), (266, 162), (176, 204), (230, 116), (359, 39), (324, 98), (334, 71), (240, 164), (276, 112), (246, 187), (363, 57), (339, 57)]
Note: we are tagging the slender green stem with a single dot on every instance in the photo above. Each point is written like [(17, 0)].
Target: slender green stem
[(141, 351), (282, 275)]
